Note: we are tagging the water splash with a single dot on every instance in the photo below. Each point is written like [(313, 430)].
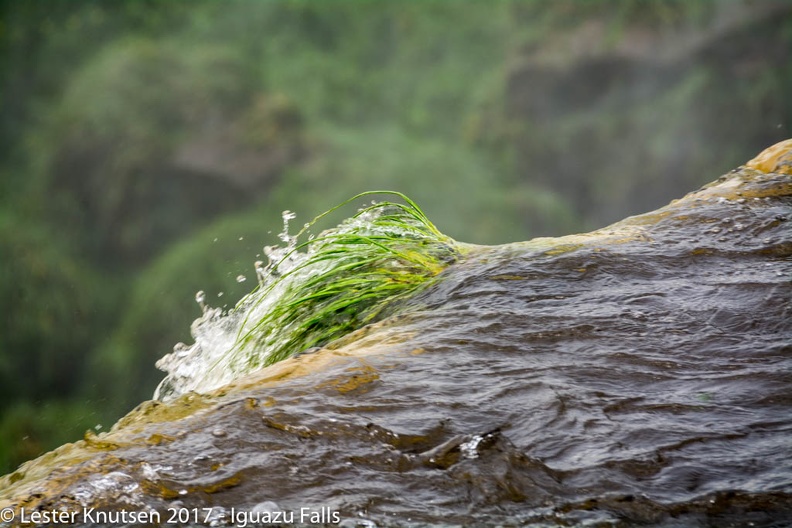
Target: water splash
[(200, 298), (311, 293), (469, 449), (284, 235)]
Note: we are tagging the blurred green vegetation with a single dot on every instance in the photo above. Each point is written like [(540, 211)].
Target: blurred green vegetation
[(148, 148)]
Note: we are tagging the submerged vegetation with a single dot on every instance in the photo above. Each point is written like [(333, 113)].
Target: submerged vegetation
[(347, 278), (315, 290)]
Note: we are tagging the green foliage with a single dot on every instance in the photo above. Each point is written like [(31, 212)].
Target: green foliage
[(417, 64), (41, 43), (53, 305), (114, 139)]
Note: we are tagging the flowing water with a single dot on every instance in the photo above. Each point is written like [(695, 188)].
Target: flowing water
[(637, 376)]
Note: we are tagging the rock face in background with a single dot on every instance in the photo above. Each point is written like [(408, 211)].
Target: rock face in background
[(637, 374), (596, 102)]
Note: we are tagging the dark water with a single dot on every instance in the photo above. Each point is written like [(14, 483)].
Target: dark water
[(638, 379)]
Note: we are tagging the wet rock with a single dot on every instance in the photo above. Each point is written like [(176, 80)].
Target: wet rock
[(637, 374)]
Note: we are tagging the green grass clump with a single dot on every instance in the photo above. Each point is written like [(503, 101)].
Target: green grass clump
[(341, 280)]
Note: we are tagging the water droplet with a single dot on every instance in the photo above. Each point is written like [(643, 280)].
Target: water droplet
[(241, 278), (261, 272), (200, 298), (284, 236)]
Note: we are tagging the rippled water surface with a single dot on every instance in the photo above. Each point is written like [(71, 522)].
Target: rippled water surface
[(639, 378)]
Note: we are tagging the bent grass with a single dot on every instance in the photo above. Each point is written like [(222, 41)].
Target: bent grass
[(326, 287)]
